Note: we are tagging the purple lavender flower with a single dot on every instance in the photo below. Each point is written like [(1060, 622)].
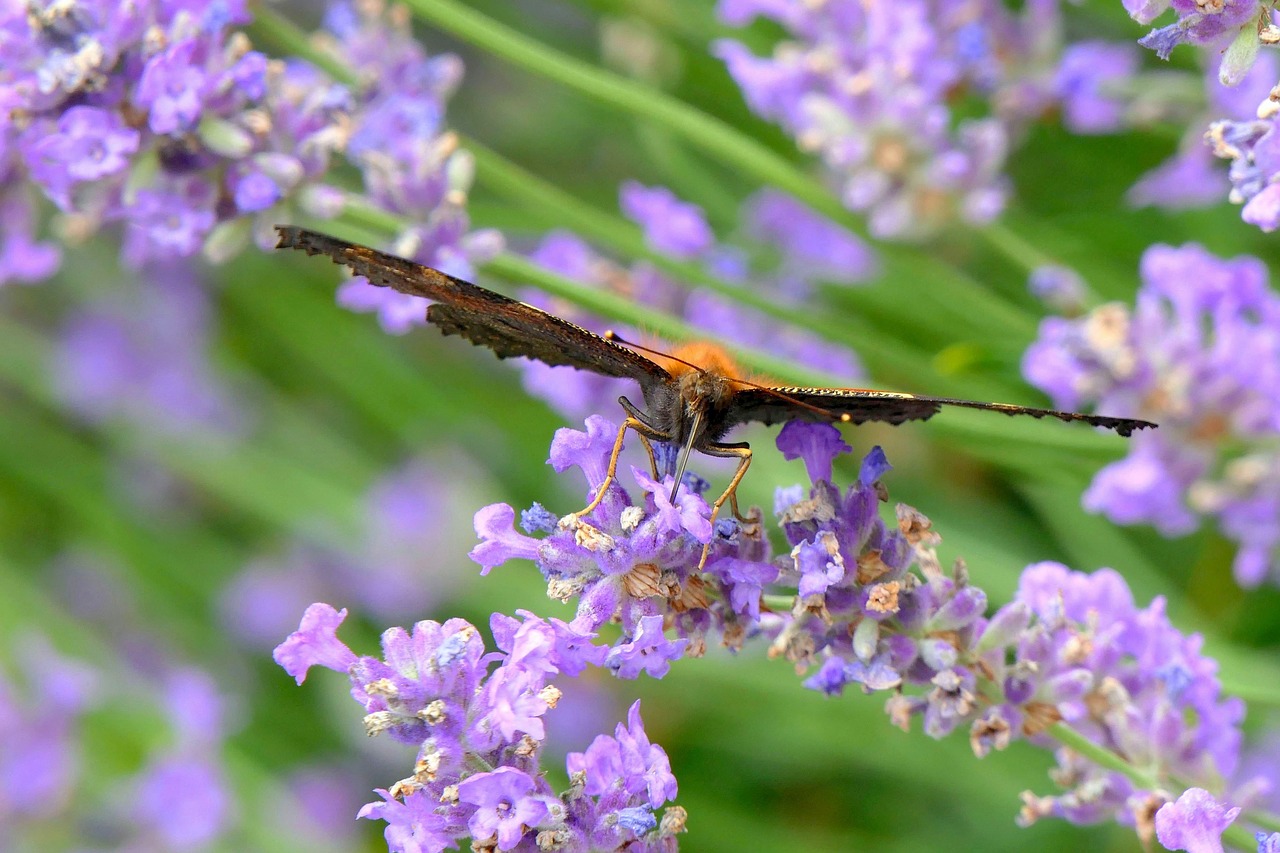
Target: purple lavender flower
[(811, 248), (1118, 675), (178, 798), (1249, 142), (1211, 24), (1194, 822), (1199, 354), (1086, 79), (163, 117), (39, 721), (634, 561), (1059, 287), (867, 88), (505, 805), (874, 608), (141, 354), (22, 257), (675, 227), (479, 732)]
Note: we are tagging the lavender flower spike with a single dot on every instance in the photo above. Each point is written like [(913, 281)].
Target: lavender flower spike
[(477, 720), (1200, 353)]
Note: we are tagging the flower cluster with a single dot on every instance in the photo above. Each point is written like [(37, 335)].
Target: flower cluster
[(811, 250), (479, 730), (1255, 167), (874, 608), (161, 116), (1199, 353), (871, 88), (636, 562)]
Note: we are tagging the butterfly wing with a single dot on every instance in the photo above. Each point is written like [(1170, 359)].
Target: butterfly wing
[(774, 405), (506, 326)]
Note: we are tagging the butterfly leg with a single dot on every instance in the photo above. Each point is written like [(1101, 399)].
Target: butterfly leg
[(645, 435), (741, 452), (648, 448), (645, 432)]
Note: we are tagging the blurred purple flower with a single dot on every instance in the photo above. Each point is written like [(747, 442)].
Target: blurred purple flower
[(1200, 355), (671, 225), (1087, 79), (40, 757), (868, 88), (1191, 178), (1059, 287), (1124, 677), (178, 799), (140, 354), (811, 248)]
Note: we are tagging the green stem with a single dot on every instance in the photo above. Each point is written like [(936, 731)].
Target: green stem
[(1014, 247), (1099, 755)]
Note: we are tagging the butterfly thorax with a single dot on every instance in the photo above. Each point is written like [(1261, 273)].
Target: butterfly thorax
[(695, 403)]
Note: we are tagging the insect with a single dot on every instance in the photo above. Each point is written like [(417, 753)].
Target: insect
[(692, 404)]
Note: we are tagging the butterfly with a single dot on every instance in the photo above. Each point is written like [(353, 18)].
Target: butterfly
[(692, 403)]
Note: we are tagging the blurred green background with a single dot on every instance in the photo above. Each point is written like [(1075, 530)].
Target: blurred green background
[(335, 403)]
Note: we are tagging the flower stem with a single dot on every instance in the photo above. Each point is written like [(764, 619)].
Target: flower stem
[(1069, 737)]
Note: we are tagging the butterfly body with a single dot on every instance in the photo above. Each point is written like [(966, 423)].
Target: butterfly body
[(693, 401)]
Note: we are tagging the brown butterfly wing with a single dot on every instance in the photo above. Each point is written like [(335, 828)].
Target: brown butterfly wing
[(774, 405), (507, 327)]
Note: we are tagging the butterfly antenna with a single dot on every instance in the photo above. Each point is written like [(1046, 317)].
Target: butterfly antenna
[(843, 417), (613, 337)]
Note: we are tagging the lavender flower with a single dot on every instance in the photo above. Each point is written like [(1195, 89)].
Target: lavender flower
[(1191, 177), (161, 116), (479, 732), (874, 608), (1087, 79), (39, 723), (1233, 26), (867, 88), (1194, 822), (141, 354), (1198, 354), (635, 561)]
